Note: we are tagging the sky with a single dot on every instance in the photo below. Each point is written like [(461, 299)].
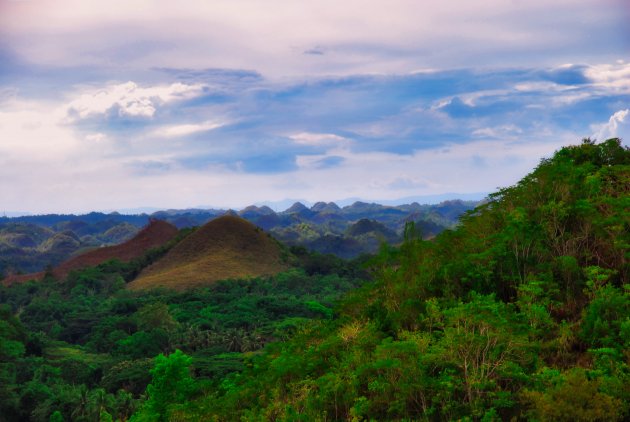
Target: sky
[(133, 104)]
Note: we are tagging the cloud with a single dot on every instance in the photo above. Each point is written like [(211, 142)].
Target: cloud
[(129, 100), (314, 51), (319, 162), (31, 129), (537, 86), (359, 37), (96, 137), (614, 78), (318, 139), (618, 125), (186, 129), (504, 131), (466, 168), (362, 136)]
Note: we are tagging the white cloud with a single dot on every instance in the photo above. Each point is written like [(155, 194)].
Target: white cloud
[(539, 86), (613, 78), (504, 131), (96, 137), (173, 131), (618, 125), (31, 129), (319, 139), (471, 99), (356, 36), (69, 172), (128, 99)]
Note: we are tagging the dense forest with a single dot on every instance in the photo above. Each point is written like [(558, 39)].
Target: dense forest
[(521, 312)]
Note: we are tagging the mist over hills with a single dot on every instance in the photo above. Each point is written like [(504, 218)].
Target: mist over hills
[(31, 243)]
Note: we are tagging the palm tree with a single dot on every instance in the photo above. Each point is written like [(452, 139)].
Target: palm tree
[(81, 409), (125, 405), (99, 401)]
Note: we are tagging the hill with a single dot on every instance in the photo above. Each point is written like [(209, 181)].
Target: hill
[(155, 234), (522, 312), (226, 247), (30, 244)]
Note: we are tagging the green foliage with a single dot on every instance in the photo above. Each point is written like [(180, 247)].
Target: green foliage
[(605, 322), (573, 397), (463, 327), (520, 312), (171, 384), (56, 417), (155, 316), (86, 338)]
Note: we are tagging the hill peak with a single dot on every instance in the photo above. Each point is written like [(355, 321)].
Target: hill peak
[(325, 207), (296, 208), (254, 210), (224, 248)]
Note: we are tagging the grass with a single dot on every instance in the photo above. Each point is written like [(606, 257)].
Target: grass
[(225, 248)]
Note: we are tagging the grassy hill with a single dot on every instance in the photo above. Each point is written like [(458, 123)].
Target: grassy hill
[(155, 234), (227, 247)]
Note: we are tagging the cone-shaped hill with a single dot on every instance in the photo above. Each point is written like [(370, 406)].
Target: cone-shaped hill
[(155, 234), (227, 247)]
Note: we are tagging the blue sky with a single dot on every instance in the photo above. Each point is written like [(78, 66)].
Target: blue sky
[(138, 103)]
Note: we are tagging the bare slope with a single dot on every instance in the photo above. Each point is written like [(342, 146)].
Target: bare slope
[(227, 247), (155, 234)]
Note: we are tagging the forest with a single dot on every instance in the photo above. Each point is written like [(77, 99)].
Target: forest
[(520, 312)]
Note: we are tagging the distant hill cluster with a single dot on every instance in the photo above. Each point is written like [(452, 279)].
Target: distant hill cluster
[(29, 244)]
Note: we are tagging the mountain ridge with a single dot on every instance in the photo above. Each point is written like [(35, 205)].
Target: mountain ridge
[(23, 248)]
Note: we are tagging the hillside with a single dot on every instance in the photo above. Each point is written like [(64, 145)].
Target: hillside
[(155, 234), (227, 247), (520, 313), (30, 244), (84, 348)]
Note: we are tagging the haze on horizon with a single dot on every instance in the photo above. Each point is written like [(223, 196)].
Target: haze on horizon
[(138, 103)]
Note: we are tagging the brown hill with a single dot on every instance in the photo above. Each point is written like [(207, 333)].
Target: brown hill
[(225, 248), (155, 234)]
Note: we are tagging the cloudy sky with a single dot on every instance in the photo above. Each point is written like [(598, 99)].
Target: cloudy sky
[(124, 104)]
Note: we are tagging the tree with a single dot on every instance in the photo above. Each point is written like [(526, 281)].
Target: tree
[(171, 384)]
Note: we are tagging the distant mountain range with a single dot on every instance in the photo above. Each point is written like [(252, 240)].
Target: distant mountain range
[(31, 243)]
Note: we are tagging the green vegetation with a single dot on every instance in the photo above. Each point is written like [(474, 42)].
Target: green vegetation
[(87, 348), (27, 246), (521, 312)]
